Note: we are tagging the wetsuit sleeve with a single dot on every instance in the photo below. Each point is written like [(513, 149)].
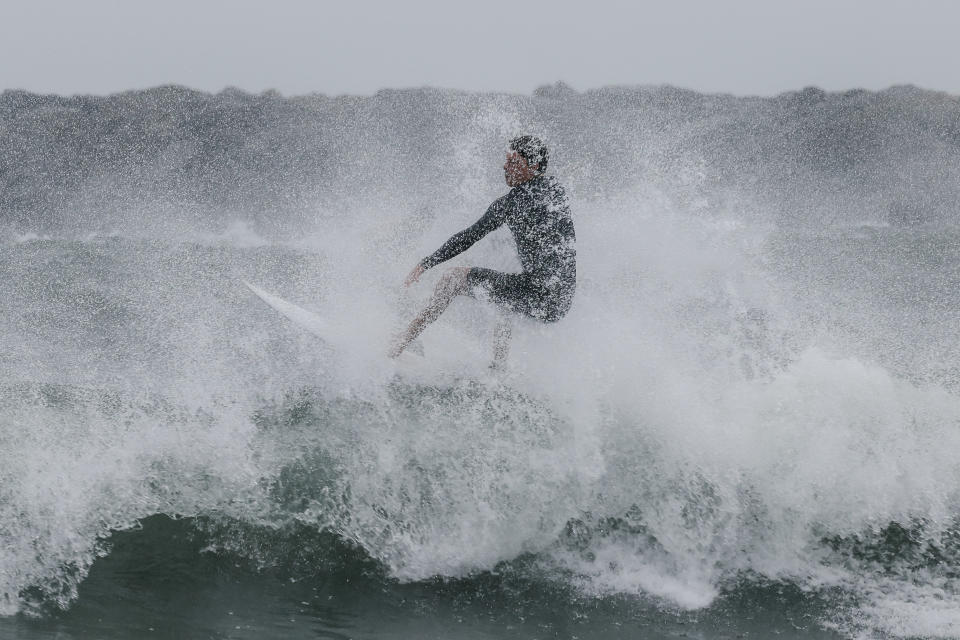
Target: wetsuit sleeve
[(495, 216)]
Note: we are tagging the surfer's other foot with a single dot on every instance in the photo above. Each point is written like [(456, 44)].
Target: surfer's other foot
[(416, 347)]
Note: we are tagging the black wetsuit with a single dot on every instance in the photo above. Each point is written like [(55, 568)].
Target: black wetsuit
[(539, 218)]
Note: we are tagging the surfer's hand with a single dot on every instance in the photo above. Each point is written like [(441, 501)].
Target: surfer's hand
[(414, 275)]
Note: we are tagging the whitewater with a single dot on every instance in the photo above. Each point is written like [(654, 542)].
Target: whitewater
[(748, 423)]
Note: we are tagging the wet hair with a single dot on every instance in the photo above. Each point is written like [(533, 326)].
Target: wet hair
[(531, 149)]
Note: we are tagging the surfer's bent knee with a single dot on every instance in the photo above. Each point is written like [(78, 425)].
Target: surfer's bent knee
[(454, 280)]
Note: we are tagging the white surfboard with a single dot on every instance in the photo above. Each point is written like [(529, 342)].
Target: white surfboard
[(311, 321), (300, 316)]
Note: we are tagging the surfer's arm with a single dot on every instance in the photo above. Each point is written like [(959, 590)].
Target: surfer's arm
[(494, 217)]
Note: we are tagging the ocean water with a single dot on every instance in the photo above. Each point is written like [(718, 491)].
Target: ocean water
[(744, 427)]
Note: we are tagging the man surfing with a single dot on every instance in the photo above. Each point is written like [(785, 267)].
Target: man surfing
[(537, 214)]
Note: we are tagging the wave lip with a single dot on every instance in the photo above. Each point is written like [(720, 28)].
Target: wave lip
[(464, 480)]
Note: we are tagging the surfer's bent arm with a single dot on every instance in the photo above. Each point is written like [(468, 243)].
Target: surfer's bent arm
[(460, 242)]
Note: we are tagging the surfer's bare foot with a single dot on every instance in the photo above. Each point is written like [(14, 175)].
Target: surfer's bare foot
[(399, 346), (416, 347)]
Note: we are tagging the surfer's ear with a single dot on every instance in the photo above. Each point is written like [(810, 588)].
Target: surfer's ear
[(533, 150)]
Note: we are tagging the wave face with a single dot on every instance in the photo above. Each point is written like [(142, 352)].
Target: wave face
[(755, 394)]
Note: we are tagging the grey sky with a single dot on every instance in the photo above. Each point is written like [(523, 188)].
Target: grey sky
[(356, 46)]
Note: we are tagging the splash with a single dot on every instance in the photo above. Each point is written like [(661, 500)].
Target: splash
[(730, 399)]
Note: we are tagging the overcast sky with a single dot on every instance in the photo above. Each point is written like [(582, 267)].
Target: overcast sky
[(354, 46)]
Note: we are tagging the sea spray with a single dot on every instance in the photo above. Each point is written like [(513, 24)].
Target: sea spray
[(733, 401)]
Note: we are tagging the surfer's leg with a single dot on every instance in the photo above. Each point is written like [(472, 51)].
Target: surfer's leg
[(501, 340), (452, 283)]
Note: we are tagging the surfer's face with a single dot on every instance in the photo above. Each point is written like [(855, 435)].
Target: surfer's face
[(516, 170)]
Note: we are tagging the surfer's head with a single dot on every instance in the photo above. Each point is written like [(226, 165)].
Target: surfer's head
[(526, 160)]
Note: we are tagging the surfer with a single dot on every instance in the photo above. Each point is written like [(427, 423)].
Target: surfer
[(537, 214)]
